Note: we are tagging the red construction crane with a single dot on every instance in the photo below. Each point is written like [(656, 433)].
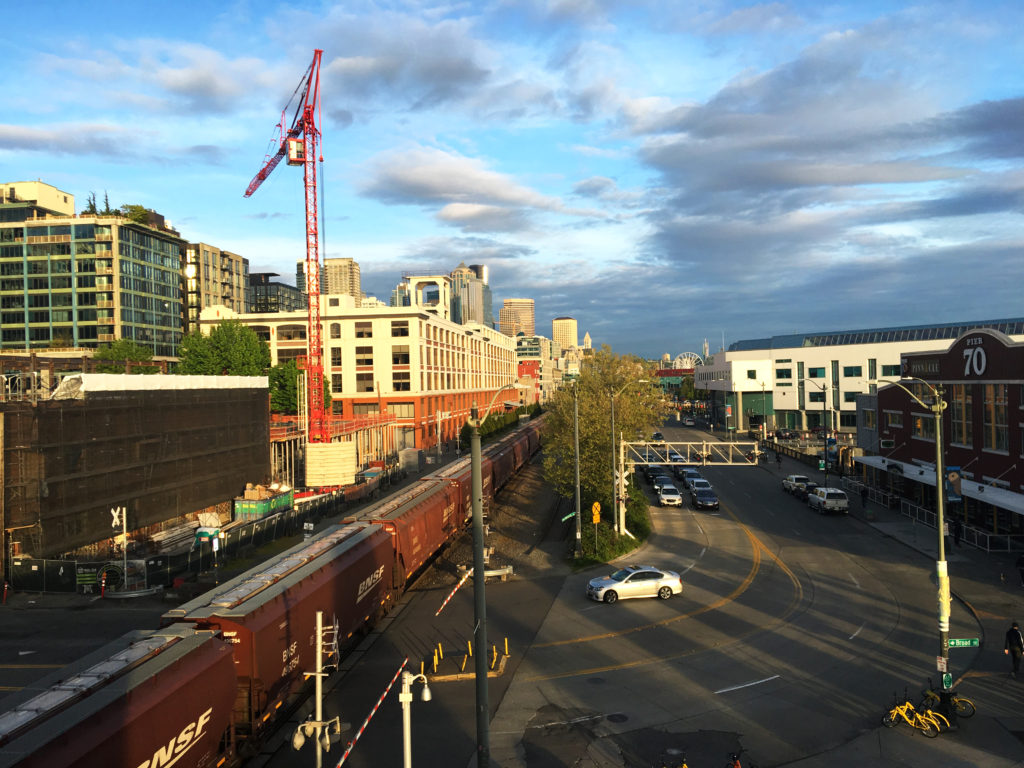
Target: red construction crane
[(299, 143)]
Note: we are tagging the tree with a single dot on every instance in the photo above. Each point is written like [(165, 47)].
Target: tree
[(284, 388), (639, 409), (107, 210), (231, 349), (121, 351), (90, 204), (137, 213)]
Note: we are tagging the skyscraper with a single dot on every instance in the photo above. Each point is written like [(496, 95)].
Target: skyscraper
[(467, 296), (565, 332), (517, 316), (337, 276), (483, 274)]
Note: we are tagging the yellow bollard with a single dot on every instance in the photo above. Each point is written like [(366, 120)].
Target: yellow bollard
[(464, 660), (440, 651), (495, 660), (435, 661), (421, 667), (506, 646), (469, 644)]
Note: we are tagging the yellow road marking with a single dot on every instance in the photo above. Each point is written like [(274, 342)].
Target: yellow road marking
[(757, 547)]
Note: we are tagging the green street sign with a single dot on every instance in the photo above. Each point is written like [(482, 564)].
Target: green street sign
[(821, 464), (571, 514), (947, 681), (963, 642)]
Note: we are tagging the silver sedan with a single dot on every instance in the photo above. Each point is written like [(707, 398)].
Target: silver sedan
[(635, 581)]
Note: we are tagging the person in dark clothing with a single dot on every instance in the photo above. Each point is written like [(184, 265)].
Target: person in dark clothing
[(958, 530), (1014, 647)]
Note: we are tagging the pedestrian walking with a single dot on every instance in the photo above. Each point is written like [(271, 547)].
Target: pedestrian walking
[(1020, 568), (1014, 647), (958, 530)]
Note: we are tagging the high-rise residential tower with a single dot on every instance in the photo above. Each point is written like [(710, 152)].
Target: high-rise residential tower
[(337, 276), (565, 332), (81, 281), (517, 317)]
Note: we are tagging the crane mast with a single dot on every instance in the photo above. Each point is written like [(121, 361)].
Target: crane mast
[(299, 144)]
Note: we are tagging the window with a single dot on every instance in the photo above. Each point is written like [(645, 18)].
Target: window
[(399, 327), (923, 426), (894, 419), (335, 382), (335, 330), (996, 437), (364, 355), (851, 371), (400, 354), (364, 330), (751, 374), (364, 382), (870, 419), (402, 410), (400, 381), (891, 370), (816, 397), (850, 397), (816, 373), (783, 373), (336, 357), (961, 410)]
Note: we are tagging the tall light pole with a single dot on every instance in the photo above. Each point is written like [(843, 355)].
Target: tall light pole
[(483, 737), (576, 444), (615, 483), (937, 406), (405, 697), (824, 430)]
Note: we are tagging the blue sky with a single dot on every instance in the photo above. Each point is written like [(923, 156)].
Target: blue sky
[(663, 172)]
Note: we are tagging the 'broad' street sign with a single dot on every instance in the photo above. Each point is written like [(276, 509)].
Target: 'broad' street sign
[(963, 642)]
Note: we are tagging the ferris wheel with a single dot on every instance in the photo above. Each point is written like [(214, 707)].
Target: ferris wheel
[(687, 360)]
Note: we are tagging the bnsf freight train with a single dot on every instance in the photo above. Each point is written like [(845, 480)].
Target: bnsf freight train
[(202, 691)]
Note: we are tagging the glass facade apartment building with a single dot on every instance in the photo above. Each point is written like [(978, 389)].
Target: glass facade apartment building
[(82, 281)]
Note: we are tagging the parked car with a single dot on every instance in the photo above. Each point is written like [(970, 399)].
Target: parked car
[(668, 496), (787, 434), (689, 421), (803, 492), (790, 484), (705, 498), (657, 436), (699, 485), (827, 500), (635, 581)]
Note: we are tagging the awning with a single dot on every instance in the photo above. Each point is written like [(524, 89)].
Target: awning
[(989, 494)]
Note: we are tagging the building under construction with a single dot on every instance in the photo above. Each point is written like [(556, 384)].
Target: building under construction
[(161, 447)]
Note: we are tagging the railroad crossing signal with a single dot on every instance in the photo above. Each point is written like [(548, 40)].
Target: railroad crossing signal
[(596, 509), (963, 642)]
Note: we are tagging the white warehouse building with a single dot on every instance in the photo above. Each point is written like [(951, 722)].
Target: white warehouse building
[(809, 381)]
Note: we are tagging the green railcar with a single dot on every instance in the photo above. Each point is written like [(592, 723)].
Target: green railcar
[(254, 509)]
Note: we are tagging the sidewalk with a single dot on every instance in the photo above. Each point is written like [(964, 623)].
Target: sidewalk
[(988, 586)]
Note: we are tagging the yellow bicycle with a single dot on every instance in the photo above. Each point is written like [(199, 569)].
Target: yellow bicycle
[(964, 706), (930, 723)]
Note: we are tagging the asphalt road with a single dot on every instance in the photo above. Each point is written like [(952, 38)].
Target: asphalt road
[(792, 634)]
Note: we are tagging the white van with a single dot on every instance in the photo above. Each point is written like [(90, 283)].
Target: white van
[(826, 500)]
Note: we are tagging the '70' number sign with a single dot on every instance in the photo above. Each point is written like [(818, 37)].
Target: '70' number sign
[(974, 358)]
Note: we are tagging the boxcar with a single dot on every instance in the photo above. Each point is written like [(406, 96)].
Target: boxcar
[(420, 521), (268, 614), (148, 699)]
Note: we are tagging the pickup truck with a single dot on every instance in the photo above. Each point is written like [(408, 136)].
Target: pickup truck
[(792, 482)]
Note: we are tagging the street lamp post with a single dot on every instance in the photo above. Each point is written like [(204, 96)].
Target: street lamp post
[(937, 406), (576, 444), (616, 481), (405, 697), (483, 748), (824, 430)]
